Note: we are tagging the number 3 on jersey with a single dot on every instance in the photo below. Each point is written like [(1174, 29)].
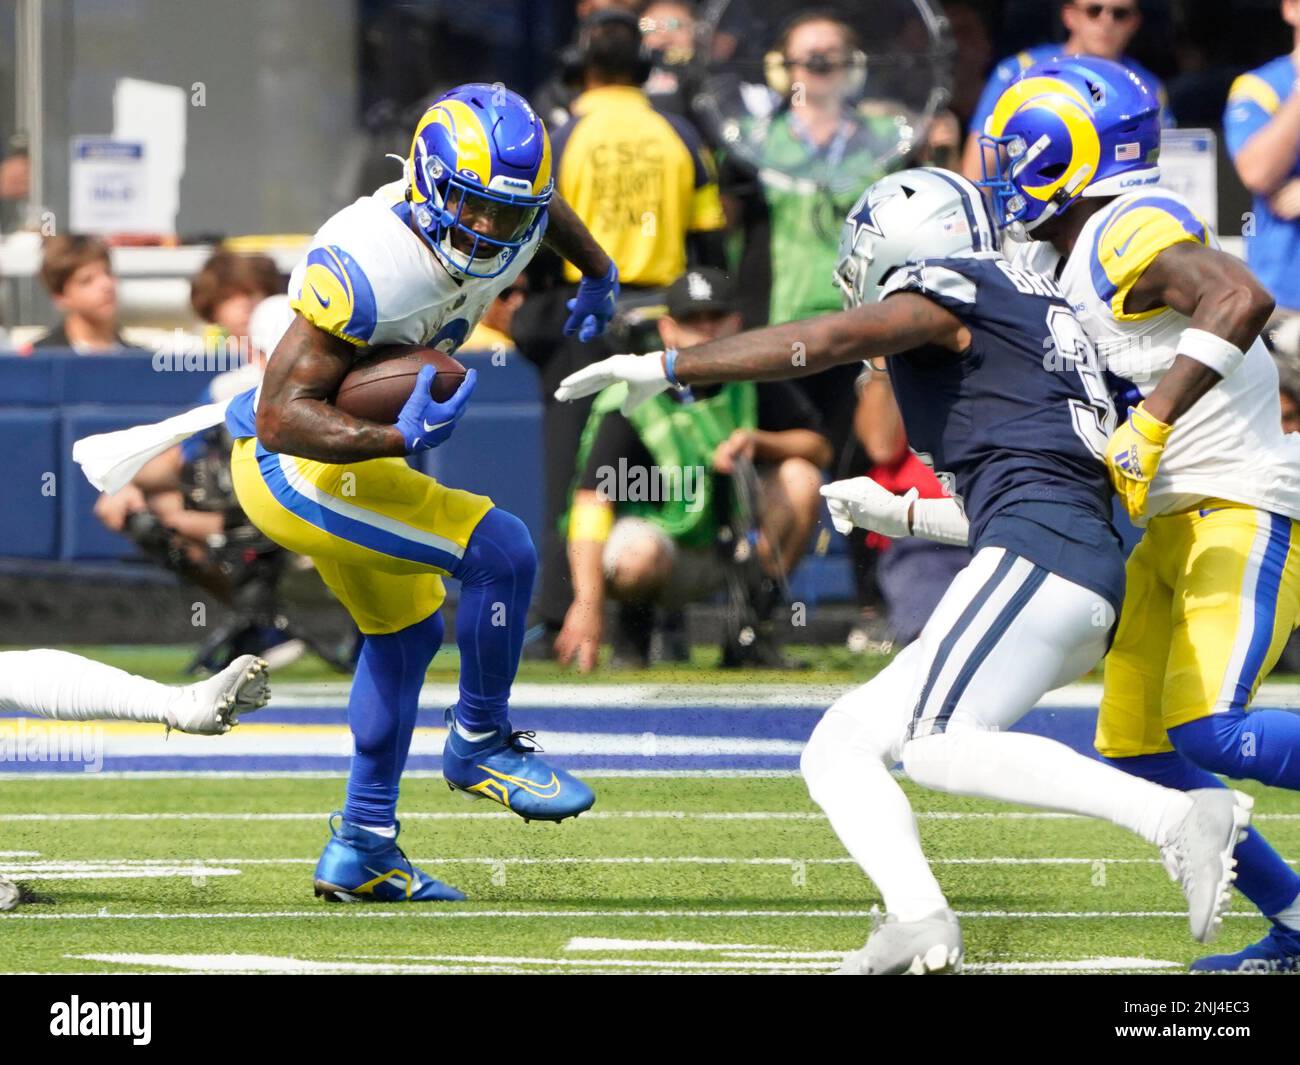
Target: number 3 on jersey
[(1094, 419)]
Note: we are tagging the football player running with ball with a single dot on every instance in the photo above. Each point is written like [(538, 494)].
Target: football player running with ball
[(1021, 426), (415, 263)]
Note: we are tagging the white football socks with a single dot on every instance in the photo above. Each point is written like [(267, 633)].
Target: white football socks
[(67, 687), (1034, 771), (473, 737), (871, 815), (1290, 917)]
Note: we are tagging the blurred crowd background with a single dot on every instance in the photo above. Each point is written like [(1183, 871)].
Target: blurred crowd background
[(713, 147)]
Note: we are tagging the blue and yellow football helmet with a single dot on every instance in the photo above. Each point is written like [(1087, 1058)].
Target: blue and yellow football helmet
[(479, 177), (1068, 127)]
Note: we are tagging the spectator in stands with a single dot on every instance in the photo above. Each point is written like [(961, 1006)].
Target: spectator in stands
[(554, 99), (912, 574), (1101, 28), (820, 148), (668, 30), (644, 185), (78, 274), (230, 285), (652, 492), (1262, 128)]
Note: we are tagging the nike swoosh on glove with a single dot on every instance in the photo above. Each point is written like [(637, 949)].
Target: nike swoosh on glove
[(861, 503), (423, 421), (644, 375), (1133, 456), (593, 307)]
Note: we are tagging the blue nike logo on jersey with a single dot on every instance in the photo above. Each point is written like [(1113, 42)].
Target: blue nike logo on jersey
[(319, 298), (1119, 252)]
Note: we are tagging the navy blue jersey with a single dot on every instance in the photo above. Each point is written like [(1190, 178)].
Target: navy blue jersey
[(1016, 426)]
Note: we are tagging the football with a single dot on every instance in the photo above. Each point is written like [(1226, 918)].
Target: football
[(378, 385)]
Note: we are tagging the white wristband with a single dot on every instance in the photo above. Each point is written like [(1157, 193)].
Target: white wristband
[(940, 520), (1221, 356)]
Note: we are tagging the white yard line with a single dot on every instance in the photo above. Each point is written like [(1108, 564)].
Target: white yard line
[(200, 866), (591, 815)]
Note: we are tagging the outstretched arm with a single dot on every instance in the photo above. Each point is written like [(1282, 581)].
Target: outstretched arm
[(900, 323)]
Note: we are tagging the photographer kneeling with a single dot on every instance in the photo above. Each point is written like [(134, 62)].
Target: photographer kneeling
[(693, 492)]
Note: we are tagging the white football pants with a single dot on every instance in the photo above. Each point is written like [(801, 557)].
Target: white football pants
[(1006, 632)]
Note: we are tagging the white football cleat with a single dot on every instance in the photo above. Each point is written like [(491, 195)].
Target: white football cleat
[(1198, 855), (9, 895), (213, 706), (928, 947)]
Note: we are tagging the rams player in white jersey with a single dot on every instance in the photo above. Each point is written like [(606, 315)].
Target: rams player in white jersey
[(1213, 588), (416, 263)]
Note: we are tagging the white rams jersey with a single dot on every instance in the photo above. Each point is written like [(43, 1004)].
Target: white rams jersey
[(1230, 445), (370, 279)]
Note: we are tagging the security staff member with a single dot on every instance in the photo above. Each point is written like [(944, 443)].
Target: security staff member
[(644, 184)]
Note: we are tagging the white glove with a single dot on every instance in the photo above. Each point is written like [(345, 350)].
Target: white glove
[(861, 503), (644, 375)]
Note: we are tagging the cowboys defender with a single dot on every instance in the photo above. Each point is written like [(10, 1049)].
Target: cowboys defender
[(1214, 585), (1019, 431), (416, 263)]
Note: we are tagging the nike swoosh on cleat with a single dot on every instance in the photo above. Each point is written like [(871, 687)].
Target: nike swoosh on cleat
[(549, 790)]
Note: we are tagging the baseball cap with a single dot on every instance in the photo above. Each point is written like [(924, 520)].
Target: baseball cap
[(700, 291)]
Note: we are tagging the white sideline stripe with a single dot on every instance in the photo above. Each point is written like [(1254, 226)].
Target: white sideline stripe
[(672, 696), (590, 815), (405, 914), (252, 740), (20, 854)]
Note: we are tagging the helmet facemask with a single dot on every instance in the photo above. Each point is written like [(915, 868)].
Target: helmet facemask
[(475, 230)]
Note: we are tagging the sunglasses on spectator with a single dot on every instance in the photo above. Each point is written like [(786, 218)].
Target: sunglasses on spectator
[(1095, 11), (663, 25)]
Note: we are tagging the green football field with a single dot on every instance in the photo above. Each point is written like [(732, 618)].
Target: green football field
[(666, 874)]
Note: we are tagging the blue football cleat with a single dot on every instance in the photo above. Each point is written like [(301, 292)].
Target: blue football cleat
[(1277, 952), (506, 769), (359, 866)]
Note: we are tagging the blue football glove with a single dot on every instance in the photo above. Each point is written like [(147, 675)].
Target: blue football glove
[(423, 421), (593, 307)]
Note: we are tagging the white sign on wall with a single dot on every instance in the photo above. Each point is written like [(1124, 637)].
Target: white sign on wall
[(108, 186), (1188, 166)]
